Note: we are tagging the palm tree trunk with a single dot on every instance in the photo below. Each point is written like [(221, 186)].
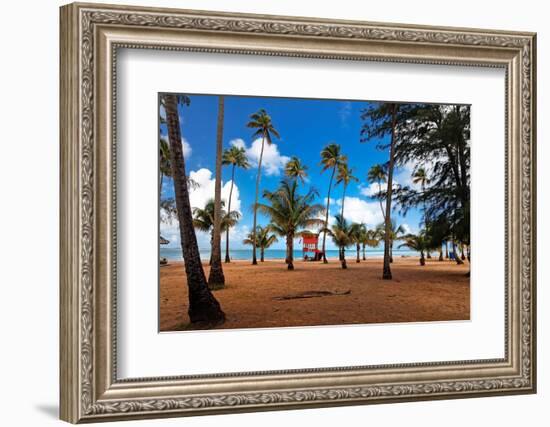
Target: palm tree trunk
[(216, 278), (289, 248), (358, 246), (440, 254), (457, 258), (364, 253), (425, 220), (343, 201), (203, 306), (160, 185), (422, 260), (343, 258), (391, 250), (386, 271), (380, 200), (446, 249), (227, 259), (462, 257), (254, 261), (326, 215), (262, 250), (211, 249)]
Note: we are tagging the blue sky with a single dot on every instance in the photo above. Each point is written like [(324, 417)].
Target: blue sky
[(305, 126)]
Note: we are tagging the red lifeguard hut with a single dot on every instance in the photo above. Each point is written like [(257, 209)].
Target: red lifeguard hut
[(309, 246)]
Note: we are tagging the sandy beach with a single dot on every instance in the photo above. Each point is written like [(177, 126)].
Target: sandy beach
[(264, 295)]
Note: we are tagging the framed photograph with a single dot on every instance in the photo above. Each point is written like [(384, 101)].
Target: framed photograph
[(265, 212)]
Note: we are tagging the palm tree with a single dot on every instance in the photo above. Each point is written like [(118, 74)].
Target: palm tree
[(261, 121), (203, 306), (421, 177), (331, 158), (203, 220), (216, 279), (290, 212), (341, 234), (356, 234), (368, 238), (382, 120), (397, 232), (263, 238), (377, 174), (345, 176), (236, 157), (416, 243), (295, 169)]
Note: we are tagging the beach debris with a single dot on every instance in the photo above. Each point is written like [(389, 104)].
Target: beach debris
[(311, 294)]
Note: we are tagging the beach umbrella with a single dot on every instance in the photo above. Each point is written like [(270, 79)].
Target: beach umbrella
[(163, 241)]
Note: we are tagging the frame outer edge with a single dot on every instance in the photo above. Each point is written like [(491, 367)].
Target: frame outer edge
[(69, 221), (533, 207), (77, 342)]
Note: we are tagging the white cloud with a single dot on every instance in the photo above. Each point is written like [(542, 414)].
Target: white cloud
[(205, 190), (272, 160), (238, 142), (344, 112), (198, 198), (361, 211), (371, 190), (186, 148)]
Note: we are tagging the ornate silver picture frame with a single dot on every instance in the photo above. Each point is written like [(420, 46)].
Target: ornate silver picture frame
[(90, 36)]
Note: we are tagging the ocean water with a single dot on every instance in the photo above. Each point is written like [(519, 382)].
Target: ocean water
[(244, 254)]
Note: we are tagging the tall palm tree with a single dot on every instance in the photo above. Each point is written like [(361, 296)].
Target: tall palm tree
[(290, 212), (421, 177), (264, 239), (331, 158), (377, 174), (295, 169), (345, 176), (341, 234), (216, 279), (382, 119), (204, 308), (416, 243), (261, 121), (236, 157), (203, 220)]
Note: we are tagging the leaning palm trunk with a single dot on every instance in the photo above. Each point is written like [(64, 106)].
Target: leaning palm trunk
[(358, 247), (422, 260), (457, 258), (216, 278), (326, 215), (227, 259), (386, 271), (203, 307), (254, 260)]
